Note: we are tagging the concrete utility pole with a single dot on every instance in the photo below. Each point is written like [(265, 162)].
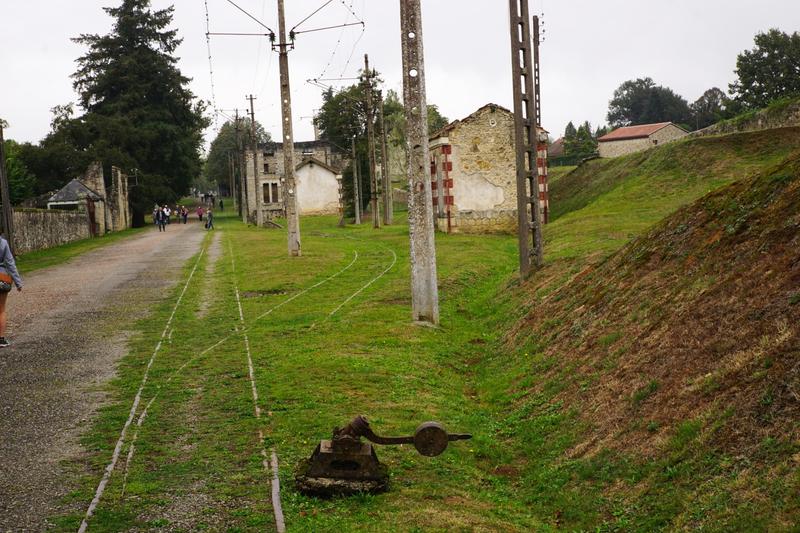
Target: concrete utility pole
[(424, 290), (8, 212), (254, 148), (388, 202), (356, 195), (242, 169), (373, 172), (289, 190), (231, 179), (526, 116)]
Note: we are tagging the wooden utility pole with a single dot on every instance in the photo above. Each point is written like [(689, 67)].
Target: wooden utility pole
[(373, 169), (388, 203), (289, 190), (242, 169), (356, 195), (424, 290), (526, 115), (254, 148), (8, 212)]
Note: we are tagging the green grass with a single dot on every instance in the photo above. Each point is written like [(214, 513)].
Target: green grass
[(198, 464), (604, 203)]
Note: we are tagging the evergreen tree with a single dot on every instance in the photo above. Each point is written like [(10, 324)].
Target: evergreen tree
[(139, 110)]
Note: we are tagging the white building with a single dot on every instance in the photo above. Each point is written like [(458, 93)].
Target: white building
[(317, 177)]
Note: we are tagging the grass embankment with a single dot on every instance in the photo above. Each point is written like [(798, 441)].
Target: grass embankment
[(542, 458), (606, 202)]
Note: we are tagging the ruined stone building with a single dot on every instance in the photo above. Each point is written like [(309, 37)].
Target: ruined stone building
[(473, 173), (632, 139), (107, 207), (317, 173)]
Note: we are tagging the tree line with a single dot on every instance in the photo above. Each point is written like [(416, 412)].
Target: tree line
[(136, 113), (768, 72)]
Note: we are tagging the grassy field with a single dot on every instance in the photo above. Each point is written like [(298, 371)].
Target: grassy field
[(330, 337)]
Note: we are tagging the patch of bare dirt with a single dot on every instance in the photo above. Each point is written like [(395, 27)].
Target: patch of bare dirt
[(69, 328)]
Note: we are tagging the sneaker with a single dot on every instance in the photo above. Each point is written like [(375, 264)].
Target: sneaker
[(4, 343)]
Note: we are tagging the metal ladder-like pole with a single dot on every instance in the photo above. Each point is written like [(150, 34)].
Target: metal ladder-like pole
[(526, 119)]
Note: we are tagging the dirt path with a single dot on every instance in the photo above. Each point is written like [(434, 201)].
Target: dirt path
[(69, 328)]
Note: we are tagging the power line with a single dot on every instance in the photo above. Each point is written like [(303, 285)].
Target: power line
[(211, 67), (353, 51), (251, 16), (320, 8), (338, 42)]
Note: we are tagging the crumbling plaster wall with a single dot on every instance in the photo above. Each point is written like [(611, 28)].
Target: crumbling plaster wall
[(484, 173)]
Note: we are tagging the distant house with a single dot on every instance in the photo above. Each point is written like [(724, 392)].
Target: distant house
[(108, 207), (317, 178), (318, 187), (631, 139), (556, 149), (473, 173)]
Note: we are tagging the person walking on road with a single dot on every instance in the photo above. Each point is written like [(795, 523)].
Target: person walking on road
[(200, 214), (8, 275), (161, 220), (210, 219)]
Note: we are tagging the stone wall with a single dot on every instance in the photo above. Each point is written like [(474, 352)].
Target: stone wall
[(778, 115), (37, 229), (118, 202)]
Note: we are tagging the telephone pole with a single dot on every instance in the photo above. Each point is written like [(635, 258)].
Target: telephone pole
[(526, 120), (356, 195), (254, 148), (373, 174), (289, 190), (388, 199), (424, 289), (242, 169), (8, 212)]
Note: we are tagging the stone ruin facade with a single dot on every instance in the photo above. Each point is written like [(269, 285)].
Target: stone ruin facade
[(473, 173)]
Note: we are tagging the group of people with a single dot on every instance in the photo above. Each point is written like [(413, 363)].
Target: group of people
[(162, 216)]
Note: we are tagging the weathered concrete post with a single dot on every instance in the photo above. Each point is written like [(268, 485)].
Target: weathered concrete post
[(356, 195), (254, 148), (242, 170), (289, 188), (373, 172), (424, 290), (388, 203)]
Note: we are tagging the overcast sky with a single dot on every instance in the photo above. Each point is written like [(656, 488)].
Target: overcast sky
[(590, 47)]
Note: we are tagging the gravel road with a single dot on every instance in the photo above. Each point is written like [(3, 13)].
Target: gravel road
[(68, 330)]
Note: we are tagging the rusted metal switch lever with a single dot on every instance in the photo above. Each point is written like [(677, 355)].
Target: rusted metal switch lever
[(346, 465)]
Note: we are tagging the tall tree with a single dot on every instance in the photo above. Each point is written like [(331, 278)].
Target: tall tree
[(139, 110), (769, 71), (641, 101), (20, 179), (215, 169), (710, 108)]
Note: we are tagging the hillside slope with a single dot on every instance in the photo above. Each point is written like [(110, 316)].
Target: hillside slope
[(604, 203), (660, 389)]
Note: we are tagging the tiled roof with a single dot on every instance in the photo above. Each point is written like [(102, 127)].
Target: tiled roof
[(633, 132)]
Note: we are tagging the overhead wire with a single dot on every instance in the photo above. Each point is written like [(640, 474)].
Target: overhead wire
[(320, 8), (211, 69), (231, 2)]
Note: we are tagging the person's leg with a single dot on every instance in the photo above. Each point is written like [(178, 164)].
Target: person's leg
[(3, 298)]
